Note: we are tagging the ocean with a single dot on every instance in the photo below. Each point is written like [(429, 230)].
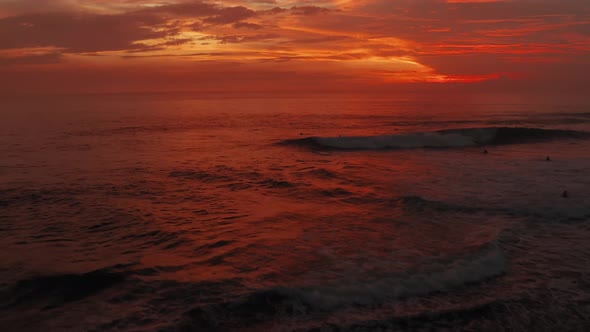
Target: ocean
[(323, 212)]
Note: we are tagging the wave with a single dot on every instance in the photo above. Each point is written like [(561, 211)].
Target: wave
[(200, 176), (233, 179), (419, 204), (321, 173), (448, 138), (437, 276), (55, 290), (570, 213)]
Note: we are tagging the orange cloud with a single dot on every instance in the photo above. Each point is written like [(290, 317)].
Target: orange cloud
[(281, 44)]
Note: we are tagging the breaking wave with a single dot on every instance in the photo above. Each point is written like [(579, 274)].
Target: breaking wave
[(437, 276), (450, 138)]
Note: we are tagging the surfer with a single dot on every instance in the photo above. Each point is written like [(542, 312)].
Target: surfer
[(565, 194), (485, 151), (547, 159)]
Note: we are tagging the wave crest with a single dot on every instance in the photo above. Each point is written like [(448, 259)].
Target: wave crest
[(449, 138)]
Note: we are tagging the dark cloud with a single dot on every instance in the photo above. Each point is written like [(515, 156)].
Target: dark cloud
[(246, 25), (185, 9), (79, 32), (230, 15), (309, 10), (273, 11), (234, 39)]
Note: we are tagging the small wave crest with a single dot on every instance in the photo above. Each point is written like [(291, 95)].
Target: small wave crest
[(449, 138)]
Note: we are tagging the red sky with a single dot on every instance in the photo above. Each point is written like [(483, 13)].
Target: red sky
[(267, 45)]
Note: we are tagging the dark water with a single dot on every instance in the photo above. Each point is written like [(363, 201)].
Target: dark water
[(317, 213)]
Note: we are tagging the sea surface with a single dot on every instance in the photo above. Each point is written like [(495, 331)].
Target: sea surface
[(341, 212)]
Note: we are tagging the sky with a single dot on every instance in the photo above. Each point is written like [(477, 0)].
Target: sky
[(61, 46)]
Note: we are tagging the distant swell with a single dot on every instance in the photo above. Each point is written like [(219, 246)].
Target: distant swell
[(450, 138)]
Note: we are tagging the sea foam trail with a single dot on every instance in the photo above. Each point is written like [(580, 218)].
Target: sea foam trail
[(450, 138)]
